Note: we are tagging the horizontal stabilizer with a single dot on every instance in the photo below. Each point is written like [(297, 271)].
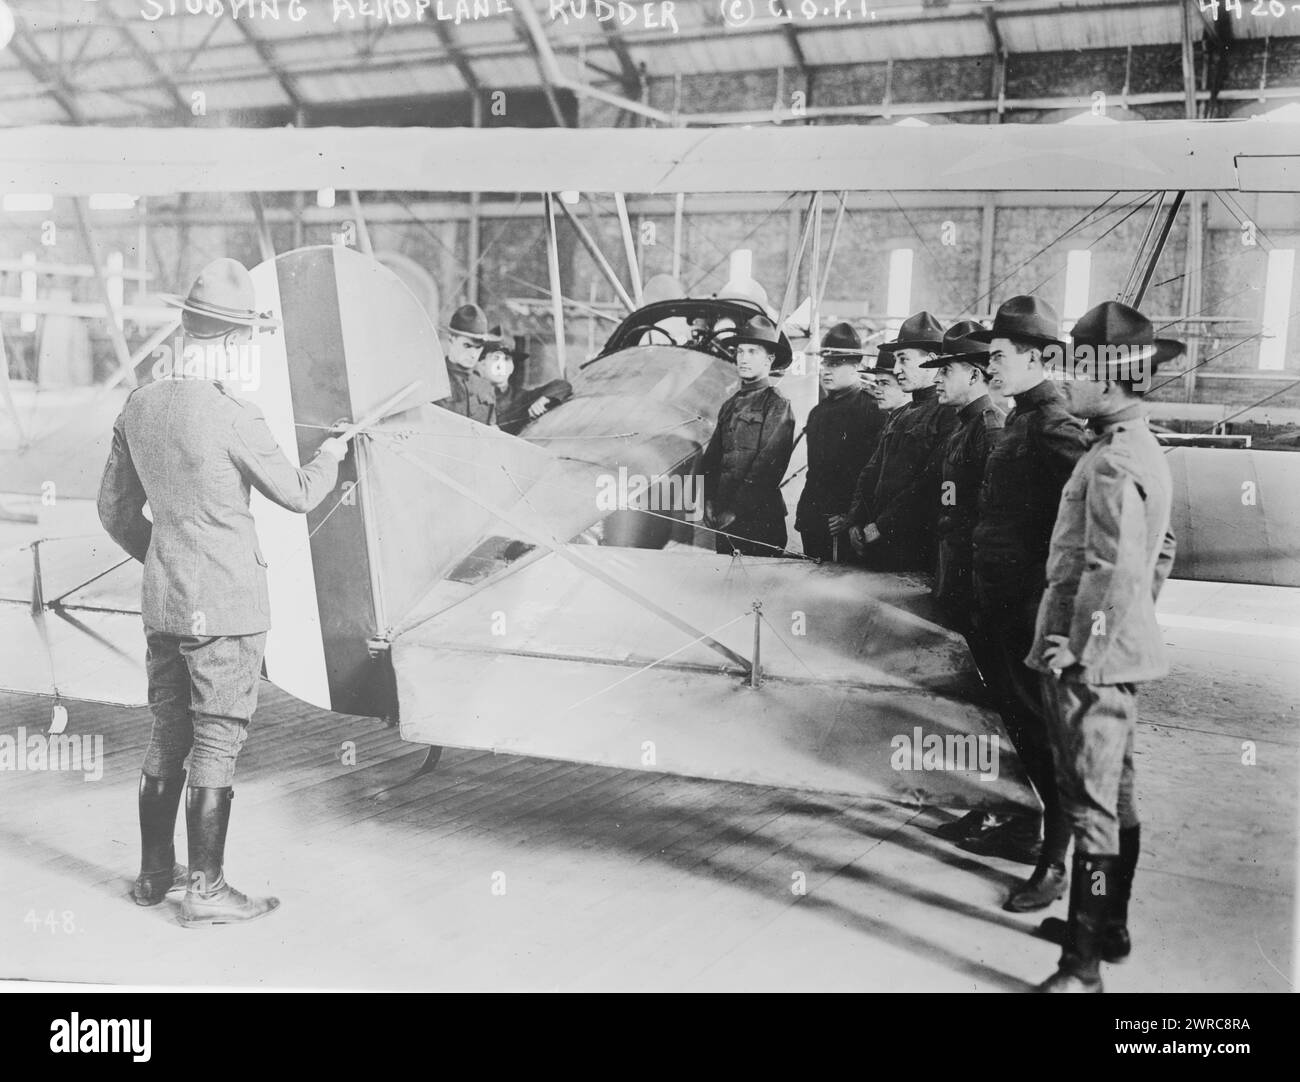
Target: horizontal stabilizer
[(554, 662)]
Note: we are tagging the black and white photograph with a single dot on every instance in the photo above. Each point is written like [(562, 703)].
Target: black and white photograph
[(690, 496)]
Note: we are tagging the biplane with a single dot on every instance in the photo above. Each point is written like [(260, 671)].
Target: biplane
[(450, 583)]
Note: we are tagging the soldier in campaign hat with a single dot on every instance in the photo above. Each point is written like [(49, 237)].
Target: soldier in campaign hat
[(893, 513), (192, 451), (471, 395), (1096, 636), (1023, 477), (746, 458), (963, 384), (877, 375), (842, 431)]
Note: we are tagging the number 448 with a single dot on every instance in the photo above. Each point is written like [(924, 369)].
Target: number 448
[(67, 923), (1276, 8)]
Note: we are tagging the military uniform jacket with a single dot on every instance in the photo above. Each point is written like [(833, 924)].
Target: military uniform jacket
[(842, 433), (746, 459), (897, 489), (192, 452), (471, 395), (512, 404), (1111, 553), (1026, 469), (961, 473)]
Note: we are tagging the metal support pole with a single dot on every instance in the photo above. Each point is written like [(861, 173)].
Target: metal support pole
[(299, 198), (792, 282), (830, 250), (602, 264), (629, 246), (679, 209), (755, 667), (1127, 293), (141, 250), (553, 266), (363, 231), (988, 216), (814, 278), (473, 239), (1189, 64), (264, 241), (1192, 295), (1160, 247), (114, 323)]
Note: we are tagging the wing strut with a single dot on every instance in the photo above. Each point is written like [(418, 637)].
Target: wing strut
[(792, 282), (1149, 250), (602, 264), (569, 555), (553, 269), (1159, 247)]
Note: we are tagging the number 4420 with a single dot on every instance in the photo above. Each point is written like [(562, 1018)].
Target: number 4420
[(52, 921), (1233, 7)]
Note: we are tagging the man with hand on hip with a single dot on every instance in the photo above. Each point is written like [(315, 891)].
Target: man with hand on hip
[(1097, 636)]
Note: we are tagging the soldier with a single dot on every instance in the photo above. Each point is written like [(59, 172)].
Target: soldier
[(963, 384), (192, 451), (747, 456), (471, 395), (502, 368), (881, 382), (894, 511), (1026, 469), (1097, 635), (842, 432)]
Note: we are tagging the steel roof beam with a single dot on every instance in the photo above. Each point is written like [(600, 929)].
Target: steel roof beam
[(264, 54)]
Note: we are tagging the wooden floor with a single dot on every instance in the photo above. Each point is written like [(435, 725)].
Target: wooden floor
[(500, 872)]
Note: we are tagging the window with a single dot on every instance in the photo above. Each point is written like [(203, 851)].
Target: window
[(898, 304), (1277, 309), (1078, 276)]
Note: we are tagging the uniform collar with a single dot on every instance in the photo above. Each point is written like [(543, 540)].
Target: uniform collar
[(925, 394), (754, 385), (973, 409), (843, 392), (1102, 425), (1038, 395)]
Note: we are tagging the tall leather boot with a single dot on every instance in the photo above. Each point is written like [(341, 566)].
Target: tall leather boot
[(1115, 942), (158, 801), (1079, 969), (210, 899)]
